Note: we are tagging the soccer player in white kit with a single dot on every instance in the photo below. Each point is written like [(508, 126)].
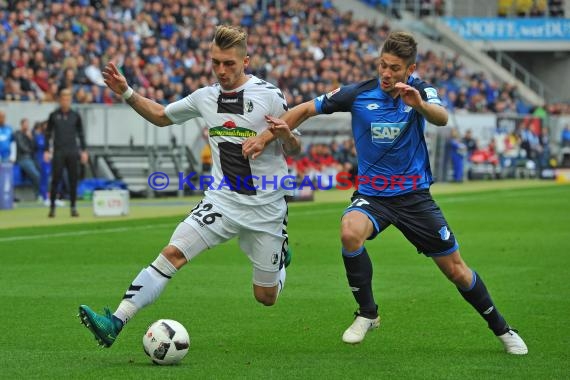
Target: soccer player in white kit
[(246, 198)]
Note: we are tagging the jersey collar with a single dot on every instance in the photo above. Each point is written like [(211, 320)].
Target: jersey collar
[(238, 89)]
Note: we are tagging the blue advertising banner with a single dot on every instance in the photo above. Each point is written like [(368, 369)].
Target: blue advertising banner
[(520, 29)]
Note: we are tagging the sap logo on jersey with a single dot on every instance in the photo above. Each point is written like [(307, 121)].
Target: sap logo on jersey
[(386, 132)]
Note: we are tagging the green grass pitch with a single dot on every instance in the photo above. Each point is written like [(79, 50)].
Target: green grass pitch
[(517, 239)]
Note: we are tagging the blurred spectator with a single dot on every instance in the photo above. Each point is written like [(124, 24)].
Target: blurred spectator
[(529, 140), (500, 141), (43, 165), (504, 7), (488, 159), (543, 149), (538, 8), (206, 158), (6, 138), (556, 8), (469, 142), (564, 136), (523, 7), (25, 148), (530, 8), (457, 152)]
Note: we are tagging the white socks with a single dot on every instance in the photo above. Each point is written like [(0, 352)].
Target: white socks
[(145, 288), (282, 277)]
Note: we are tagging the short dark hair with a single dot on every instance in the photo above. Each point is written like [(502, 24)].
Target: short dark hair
[(228, 36), (402, 45)]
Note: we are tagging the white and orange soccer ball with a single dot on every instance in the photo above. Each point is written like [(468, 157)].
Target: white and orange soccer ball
[(166, 342)]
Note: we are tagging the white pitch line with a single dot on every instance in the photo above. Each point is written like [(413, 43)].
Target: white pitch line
[(294, 211), (119, 229), (80, 233)]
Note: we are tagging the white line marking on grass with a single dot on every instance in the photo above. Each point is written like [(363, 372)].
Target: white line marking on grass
[(81, 233), (120, 229), (292, 210), (127, 229)]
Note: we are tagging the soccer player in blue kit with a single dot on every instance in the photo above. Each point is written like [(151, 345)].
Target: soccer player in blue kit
[(394, 177)]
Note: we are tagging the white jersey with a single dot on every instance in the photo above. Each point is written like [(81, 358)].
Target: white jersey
[(232, 117)]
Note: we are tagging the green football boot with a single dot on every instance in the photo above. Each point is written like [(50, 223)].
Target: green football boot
[(105, 328)]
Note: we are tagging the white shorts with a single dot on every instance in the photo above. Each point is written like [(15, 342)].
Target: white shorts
[(262, 233)]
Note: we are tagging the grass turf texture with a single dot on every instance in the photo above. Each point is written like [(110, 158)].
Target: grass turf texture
[(517, 239)]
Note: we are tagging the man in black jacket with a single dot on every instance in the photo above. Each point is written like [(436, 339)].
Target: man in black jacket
[(66, 128)]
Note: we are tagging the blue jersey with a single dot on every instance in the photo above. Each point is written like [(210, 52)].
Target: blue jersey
[(388, 136), (6, 138), (40, 142)]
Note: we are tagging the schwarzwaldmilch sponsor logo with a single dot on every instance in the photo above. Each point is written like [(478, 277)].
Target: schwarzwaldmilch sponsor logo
[(229, 128)]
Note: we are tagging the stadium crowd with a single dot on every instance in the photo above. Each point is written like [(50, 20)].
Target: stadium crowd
[(505, 8), (521, 152), (530, 8), (163, 51)]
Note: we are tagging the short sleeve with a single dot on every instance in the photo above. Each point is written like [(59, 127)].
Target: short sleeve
[(342, 98), (279, 105), (427, 92), (184, 109)]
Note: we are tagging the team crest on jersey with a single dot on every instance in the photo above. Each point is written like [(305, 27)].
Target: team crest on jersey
[(229, 128), (444, 233), (431, 92), (329, 94), (248, 106), (386, 133)]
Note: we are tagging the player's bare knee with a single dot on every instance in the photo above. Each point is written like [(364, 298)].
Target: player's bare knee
[(174, 255), (351, 239), (353, 233)]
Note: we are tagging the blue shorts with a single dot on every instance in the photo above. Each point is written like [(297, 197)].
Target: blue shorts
[(415, 214)]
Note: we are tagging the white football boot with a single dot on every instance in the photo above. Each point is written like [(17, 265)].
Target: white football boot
[(513, 343), (358, 329)]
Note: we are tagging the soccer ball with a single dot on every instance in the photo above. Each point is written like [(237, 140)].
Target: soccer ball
[(166, 342)]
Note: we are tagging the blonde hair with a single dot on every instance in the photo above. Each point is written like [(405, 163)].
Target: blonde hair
[(228, 36)]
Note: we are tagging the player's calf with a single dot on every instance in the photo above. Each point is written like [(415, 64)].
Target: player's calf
[(266, 296)]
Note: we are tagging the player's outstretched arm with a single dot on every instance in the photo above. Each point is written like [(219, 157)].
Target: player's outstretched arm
[(254, 146), (434, 113), (145, 107), (280, 129), (298, 114)]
